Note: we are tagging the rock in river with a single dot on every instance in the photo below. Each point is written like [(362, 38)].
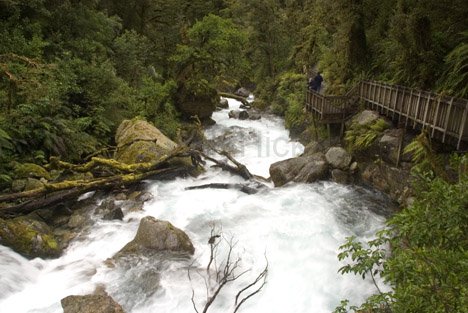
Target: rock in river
[(157, 236), (90, 304), (302, 170)]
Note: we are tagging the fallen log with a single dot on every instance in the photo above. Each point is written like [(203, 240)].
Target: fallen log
[(56, 163), (236, 97), (241, 187), (51, 194), (48, 197)]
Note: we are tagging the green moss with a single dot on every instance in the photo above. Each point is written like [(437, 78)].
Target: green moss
[(28, 237), (140, 152), (50, 242), (26, 170)]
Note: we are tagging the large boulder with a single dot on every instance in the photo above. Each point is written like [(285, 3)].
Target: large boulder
[(395, 182), (138, 141), (30, 170), (29, 237), (90, 304), (313, 147), (157, 236), (243, 92), (389, 145), (338, 158), (130, 131), (223, 103), (316, 168), (302, 170), (366, 117)]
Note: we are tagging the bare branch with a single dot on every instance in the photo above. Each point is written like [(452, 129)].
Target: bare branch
[(261, 277), (191, 286), (227, 273)]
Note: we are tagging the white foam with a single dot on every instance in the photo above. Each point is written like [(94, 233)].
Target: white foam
[(298, 227)]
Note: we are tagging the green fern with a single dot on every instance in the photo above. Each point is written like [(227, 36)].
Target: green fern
[(424, 157), (455, 78), (361, 137), (5, 141)]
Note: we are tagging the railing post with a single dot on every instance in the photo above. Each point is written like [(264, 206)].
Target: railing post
[(416, 113), (447, 118), (408, 107), (426, 109), (462, 126), (436, 116)]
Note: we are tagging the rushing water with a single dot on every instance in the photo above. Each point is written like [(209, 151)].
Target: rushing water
[(297, 228)]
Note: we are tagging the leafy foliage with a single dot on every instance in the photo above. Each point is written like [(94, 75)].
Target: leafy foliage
[(361, 137), (455, 78), (426, 267)]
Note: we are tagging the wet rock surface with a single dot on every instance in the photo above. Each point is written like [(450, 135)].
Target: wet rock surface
[(90, 304), (302, 170), (157, 236)]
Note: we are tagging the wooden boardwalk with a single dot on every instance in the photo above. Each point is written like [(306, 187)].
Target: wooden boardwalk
[(445, 118)]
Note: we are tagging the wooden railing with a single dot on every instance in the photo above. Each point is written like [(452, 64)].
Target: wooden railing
[(445, 118)]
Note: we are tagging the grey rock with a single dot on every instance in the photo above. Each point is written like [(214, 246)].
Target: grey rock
[(338, 158), (115, 214), (339, 176), (389, 144), (243, 92), (77, 221), (237, 114), (312, 148), (156, 235), (302, 169), (255, 117), (366, 117), (316, 168), (223, 103), (144, 197), (105, 207)]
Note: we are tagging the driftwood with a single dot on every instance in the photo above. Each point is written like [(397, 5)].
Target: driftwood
[(121, 174), (240, 169), (241, 187), (54, 194), (243, 100), (118, 175)]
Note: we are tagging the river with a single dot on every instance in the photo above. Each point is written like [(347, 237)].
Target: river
[(297, 228)]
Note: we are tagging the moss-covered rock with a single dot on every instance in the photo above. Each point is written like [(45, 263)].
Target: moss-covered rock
[(29, 237), (18, 185), (30, 170), (140, 152), (130, 131), (138, 142), (33, 183), (90, 304)]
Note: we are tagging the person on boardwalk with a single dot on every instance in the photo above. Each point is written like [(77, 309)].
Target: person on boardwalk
[(317, 82), (311, 84)]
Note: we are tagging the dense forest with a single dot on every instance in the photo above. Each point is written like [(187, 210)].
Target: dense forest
[(71, 71)]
